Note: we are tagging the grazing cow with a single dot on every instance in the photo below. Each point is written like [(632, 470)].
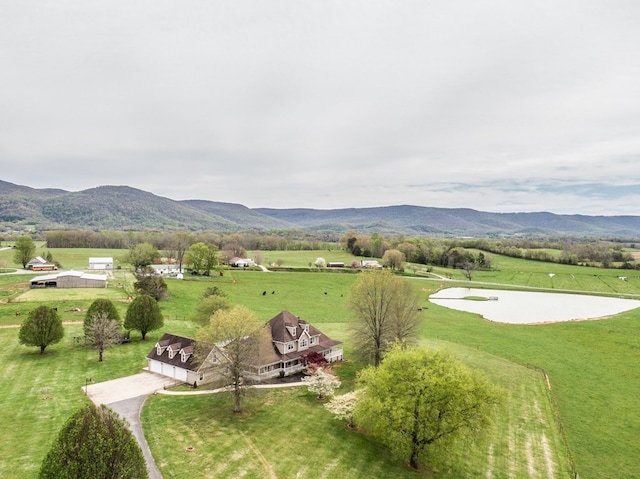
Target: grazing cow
[(18, 313), (264, 293)]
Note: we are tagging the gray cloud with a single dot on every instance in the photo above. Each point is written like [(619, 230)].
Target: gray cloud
[(499, 105)]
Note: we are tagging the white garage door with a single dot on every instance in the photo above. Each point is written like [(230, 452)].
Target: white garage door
[(155, 367), (174, 372)]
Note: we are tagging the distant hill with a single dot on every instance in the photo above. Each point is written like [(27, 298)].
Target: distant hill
[(126, 208)]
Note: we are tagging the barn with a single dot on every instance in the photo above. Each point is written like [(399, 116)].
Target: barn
[(101, 263), (70, 279)]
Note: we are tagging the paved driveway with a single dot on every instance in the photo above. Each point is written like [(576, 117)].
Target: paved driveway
[(116, 390), (126, 397)]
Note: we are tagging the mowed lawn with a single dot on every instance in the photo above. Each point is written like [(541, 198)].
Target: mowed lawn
[(287, 433)]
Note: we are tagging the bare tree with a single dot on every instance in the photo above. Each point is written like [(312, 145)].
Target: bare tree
[(385, 311), (102, 332), (468, 267)]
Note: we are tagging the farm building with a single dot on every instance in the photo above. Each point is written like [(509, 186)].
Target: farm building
[(101, 263), (70, 279), (170, 269), (40, 264), (241, 262)]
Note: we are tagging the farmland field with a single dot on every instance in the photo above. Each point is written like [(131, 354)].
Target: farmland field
[(591, 366)]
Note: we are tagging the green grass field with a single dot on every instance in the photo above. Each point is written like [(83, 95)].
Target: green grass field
[(592, 368)]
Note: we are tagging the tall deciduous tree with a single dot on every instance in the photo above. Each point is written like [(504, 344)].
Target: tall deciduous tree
[(143, 314), (141, 255), (148, 282), (385, 310), (98, 307), (23, 250), (393, 259), (102, 333), (418, 402), (240, 336), (94, 442), (202, 257), (180, 242), (42, 328)]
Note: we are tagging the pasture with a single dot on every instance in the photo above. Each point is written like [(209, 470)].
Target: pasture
[(591, 365)]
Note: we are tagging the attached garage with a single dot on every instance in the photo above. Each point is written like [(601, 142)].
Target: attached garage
[(172, 356)]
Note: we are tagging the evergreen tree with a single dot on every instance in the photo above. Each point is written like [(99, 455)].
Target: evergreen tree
[(94, 443)]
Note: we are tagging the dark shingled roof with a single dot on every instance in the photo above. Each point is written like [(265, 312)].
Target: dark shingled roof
[(178, 344), (280, 333)]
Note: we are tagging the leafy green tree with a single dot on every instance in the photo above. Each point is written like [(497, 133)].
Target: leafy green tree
[(24, 250), (102, 333), (202, 257), (141, 255), (98, 307), (393, 259), (42, 328), (419, 402), (148, 282), (94, 442), (243, 335), (214, 291), (385, 310), (143, 314), (208, 306)]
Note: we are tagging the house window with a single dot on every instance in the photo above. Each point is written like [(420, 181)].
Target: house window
[(303, 343), (312, 340), (290, 346)]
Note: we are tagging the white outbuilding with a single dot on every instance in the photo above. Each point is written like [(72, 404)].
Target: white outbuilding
[(101, 263)]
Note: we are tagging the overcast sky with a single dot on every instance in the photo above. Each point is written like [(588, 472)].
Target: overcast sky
[(495, 105)]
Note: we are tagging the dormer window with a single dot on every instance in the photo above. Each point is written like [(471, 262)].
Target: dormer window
[(171, 353), (184, 356), (292, 330)]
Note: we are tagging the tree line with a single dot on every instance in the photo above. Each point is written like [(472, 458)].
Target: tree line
[(267, 241), (458, 253), (445, 252)]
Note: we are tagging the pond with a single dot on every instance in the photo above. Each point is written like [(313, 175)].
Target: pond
[(524, 307)]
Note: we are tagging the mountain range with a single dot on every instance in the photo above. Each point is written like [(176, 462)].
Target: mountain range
[(126, 208)]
